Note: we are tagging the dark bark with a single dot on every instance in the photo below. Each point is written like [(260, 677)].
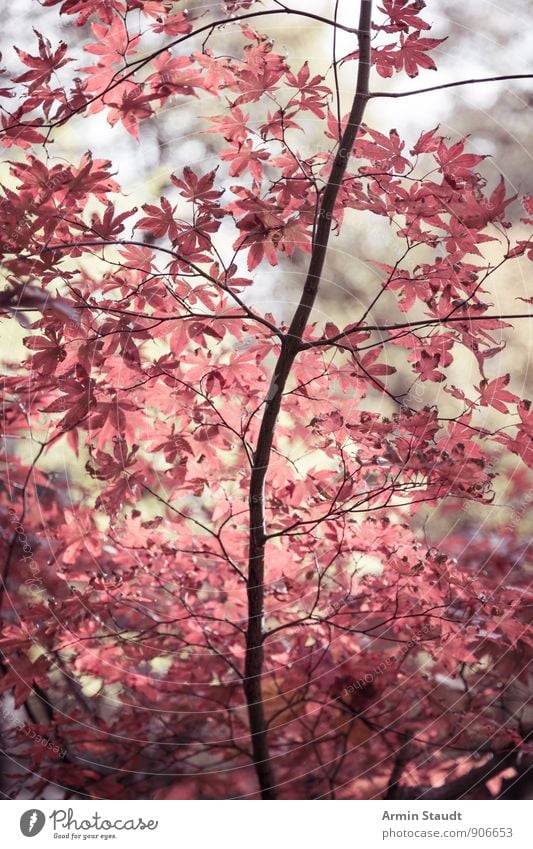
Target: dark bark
[(291, 344), (400, 762)]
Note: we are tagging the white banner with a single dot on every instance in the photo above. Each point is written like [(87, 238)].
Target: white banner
[(255, 825)]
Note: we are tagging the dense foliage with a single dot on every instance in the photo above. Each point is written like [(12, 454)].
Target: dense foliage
[(238, 594)]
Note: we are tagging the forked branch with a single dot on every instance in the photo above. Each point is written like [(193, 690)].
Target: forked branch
[(289, 350)]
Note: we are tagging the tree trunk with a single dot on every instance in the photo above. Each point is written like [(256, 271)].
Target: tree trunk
[(290, 347)]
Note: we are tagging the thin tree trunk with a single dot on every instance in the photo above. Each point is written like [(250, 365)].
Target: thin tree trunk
[(290, 346)]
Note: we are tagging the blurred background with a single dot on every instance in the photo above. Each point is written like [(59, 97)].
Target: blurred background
[(483, 39)]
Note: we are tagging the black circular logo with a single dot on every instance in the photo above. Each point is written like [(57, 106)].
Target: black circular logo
[(32, 822)]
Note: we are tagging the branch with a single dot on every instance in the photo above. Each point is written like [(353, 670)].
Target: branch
[(249, 313), (290, 346), (426, 322), (131, 68), (400, 762), (456, 84)]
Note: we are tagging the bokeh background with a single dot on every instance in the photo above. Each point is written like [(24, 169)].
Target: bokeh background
[(484, 39)]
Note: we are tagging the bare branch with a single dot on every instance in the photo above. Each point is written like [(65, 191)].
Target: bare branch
[(442, 86)]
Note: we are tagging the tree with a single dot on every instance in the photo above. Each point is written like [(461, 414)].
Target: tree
[(236, 597)]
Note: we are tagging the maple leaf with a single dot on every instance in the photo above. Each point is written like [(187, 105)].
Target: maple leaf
[(492, 393), (177, 23), (174, 75), (403, 15), (427, 367), (409, 55), (261, 73), (43, 65), (373, 369), (105, 10), (277, 124), (245, 157), (312, 95), (5, 92), (232, 127), (174, 447), (50, 353), (522, 444), (110, 225), (128, 104), (413, 51), (384, 58), (90, 177), (113, 42), (21, 676), (159, 221), (428, 142), (265, 234), (384, 152), (455, 164), (199, 190), (17, 132), (77, 398)]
